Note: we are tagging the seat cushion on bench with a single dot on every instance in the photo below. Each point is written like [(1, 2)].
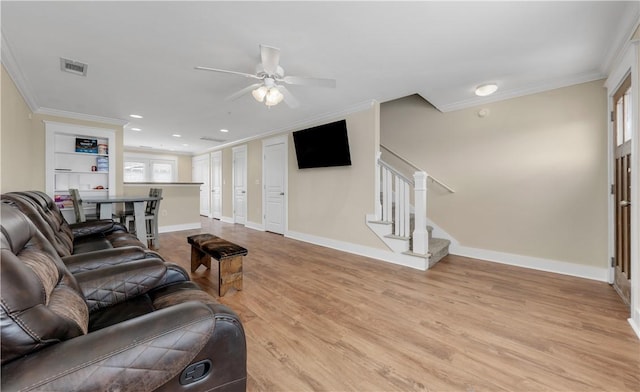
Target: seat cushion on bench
[(216, 247)]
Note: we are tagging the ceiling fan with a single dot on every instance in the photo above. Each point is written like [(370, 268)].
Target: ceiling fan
[(270, 89)]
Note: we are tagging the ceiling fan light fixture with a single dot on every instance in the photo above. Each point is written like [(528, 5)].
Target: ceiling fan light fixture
[(274, 97), (486, 89), (260, 93)]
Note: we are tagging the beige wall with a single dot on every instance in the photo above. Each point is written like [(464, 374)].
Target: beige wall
[(254, 181), (333, 202), (21, 153), (184, 168), (530, 178)]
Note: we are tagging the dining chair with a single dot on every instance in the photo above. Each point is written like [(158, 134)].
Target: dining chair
[(150, 215), (78, 207)]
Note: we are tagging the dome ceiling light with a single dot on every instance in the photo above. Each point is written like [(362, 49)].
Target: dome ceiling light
[(486, 89)]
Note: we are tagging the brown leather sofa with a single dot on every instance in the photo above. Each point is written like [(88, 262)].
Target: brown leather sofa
[(122, 327), (87, 245), (68, 238)]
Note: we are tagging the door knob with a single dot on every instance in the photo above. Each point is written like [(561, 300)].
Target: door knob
[(281, 193), (625, 203)]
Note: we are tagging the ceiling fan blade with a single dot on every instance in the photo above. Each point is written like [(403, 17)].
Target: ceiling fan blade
[(330, 83), (289, 99), (242, 92), (246, 75), (270, 58)]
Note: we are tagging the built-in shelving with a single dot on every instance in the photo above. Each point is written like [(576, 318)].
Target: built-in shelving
[(92, 172)]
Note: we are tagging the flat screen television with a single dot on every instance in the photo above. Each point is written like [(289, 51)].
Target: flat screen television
[(323, 146)]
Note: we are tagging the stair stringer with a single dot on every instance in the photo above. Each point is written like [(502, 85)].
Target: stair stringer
[(398, 247)]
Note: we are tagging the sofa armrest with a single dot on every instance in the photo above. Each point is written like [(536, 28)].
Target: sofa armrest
[(107, 257), (158, 345), (112, 285), (83, 229)]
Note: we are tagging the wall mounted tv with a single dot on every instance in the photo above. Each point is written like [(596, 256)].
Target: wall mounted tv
[(323, 146)]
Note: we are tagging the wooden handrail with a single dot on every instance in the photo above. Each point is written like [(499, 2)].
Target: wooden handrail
[(437, 181)]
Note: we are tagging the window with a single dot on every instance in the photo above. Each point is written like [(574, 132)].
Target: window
[(138, 168)]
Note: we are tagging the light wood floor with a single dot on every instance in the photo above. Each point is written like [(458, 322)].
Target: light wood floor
[(317, 319)]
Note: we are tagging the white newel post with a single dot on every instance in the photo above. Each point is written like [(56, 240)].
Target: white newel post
[(377, 203), (420, 235)]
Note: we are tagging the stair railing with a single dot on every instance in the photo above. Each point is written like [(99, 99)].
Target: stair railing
[(416, 168), (394, 189)]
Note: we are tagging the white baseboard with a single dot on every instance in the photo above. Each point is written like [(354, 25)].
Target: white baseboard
[(374, 253), (254, 226), (184, 226), (227, 219), (635, 327), (536, 263)]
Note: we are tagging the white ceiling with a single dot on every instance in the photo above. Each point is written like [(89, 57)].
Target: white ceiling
[(141, 57)]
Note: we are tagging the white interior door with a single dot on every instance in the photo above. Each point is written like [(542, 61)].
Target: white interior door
[(274, 173), (216, 184), (240, 184), (200, 173)]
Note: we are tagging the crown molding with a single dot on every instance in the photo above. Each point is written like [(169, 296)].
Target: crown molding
[(81, 116), (516, 93), (11, 65), (329, 116), (622, 39)]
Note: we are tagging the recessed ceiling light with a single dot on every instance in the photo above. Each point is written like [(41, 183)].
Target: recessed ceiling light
[(176, 135), (136, 129), (224, 130), (185, 144), (135, 116), (486, 89)]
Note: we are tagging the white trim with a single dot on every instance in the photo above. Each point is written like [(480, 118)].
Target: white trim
[(82, 116), (628, 62), (374, 253), (11, 65), (327, 117), (634, 326), (536, 263), (180, 227), (284, 139), (227, 219), (234, 150), (254, 226), (623, 37)]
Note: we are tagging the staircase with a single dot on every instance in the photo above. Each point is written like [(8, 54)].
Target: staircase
[(400, 224)]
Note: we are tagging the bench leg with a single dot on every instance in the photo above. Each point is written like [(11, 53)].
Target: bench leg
[(230, 274), (199, 258)]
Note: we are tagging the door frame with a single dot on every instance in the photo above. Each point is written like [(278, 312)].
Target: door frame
[(203, 158), (628, 64), (265, 143), (233, 181), (211, 172)]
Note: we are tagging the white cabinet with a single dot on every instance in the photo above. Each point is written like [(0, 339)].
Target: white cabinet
[(78, 157)]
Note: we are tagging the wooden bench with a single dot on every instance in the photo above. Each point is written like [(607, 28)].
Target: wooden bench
[(229, 256)]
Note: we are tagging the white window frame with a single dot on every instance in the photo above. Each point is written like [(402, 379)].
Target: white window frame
[(149, 160)]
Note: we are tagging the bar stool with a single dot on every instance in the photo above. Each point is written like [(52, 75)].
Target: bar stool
[(78, 207), (150, 215)]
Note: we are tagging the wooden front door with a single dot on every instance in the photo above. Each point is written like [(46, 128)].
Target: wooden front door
[(622, 134)]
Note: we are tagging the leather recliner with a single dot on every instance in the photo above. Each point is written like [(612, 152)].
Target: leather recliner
[(118, 328), (70, 238)]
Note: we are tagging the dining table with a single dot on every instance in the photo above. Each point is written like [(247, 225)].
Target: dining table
[(104, 206)]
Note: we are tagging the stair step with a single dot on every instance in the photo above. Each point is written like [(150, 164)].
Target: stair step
[(398, 237), (439, 248), (381, 222)]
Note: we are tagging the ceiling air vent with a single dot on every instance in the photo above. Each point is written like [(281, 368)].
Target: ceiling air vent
[(211, 139), (74, 67)]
